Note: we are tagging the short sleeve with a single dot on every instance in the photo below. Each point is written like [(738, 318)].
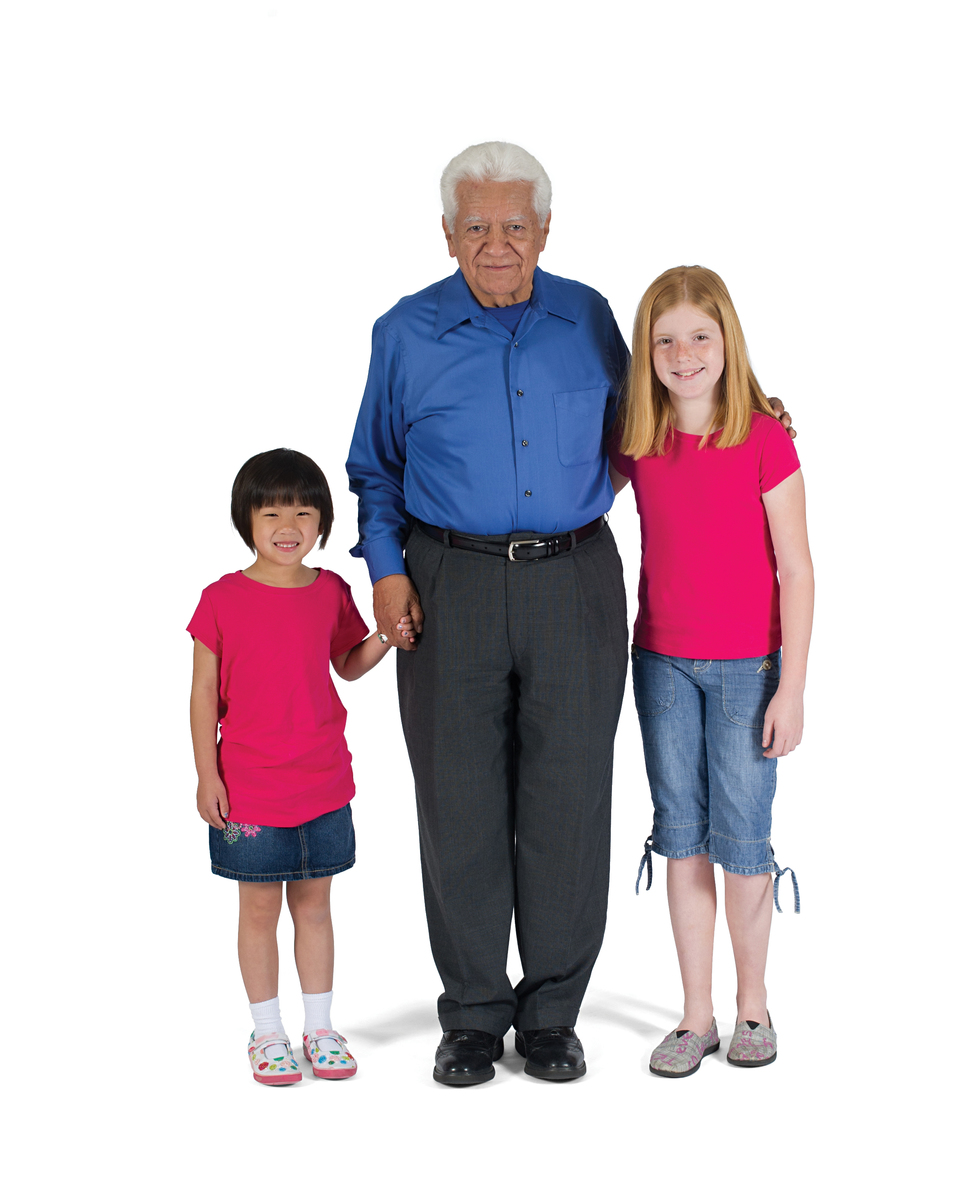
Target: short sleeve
[(351, 627), (778, 457), (203, 626)]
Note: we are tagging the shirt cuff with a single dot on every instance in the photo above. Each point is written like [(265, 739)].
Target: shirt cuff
[(383, 557)]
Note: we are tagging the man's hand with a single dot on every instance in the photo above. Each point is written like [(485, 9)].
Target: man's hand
[(782, 415), (395, 597)]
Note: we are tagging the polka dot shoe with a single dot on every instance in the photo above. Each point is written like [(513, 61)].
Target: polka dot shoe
[(327, 1051), (272, 1060)]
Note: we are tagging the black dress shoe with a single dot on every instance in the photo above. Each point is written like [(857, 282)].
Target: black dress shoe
[(466, 1056), (552, 1053)]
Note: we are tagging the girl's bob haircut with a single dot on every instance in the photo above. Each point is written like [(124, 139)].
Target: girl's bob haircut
[(646, 414), (279, 477)]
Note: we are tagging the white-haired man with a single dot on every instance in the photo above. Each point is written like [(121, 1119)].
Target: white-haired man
[(479, 451), (479, 463)]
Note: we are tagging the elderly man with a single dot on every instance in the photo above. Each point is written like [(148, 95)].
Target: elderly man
[(479, 451)]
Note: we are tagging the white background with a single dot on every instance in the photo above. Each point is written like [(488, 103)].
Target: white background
[(206, 207)]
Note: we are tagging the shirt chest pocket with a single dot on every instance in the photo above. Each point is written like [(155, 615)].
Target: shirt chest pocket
[(580, 424)]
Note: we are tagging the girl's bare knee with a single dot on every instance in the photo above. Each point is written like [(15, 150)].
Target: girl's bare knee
[(309, 900), (261, 902)]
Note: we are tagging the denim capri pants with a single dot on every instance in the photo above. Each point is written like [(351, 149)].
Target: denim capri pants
[(278, 854), (712, 788)]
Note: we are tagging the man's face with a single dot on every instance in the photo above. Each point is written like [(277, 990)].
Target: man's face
[(497, 240)]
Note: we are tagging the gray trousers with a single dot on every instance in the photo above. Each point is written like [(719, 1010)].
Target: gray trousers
[(509, 706)]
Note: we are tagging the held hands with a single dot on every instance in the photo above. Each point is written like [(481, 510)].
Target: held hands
[(397, 611), (783, 724), (782, 415), (212, 803)]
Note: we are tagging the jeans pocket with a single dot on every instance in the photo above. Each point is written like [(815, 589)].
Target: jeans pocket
[(654, 689), (749, 684)]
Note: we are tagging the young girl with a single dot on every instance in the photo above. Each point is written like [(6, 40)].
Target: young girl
[(721, 505), (276, 790)]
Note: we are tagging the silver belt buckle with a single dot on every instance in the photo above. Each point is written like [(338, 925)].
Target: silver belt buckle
[(528, 542)]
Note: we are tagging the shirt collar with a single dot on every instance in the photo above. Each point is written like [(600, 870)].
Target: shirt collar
[(458, 304)]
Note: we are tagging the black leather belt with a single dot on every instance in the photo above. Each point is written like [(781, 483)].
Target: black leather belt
[(547, 545)]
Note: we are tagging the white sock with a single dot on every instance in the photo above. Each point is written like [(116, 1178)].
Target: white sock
[(266, 1018), (316, 1011)]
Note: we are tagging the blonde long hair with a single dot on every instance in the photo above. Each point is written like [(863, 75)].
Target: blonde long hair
[(646, 414)]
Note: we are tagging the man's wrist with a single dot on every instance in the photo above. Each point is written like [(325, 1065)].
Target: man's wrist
[(384, 557)]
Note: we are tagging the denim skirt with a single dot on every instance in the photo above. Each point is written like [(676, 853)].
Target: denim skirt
[(274, 854)]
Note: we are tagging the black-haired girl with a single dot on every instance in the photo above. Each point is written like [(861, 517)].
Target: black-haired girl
[(276, 788)]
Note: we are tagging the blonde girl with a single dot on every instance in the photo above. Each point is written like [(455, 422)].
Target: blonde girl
[(720, 642)]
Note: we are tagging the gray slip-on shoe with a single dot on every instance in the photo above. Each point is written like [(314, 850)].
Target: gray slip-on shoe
[(681, 1052), (753, 1044)]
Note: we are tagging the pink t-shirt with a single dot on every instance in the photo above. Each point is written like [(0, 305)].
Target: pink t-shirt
[(708, 575), (282, 754)]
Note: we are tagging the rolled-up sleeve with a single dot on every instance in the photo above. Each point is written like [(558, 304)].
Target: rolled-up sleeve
[(377, 459)]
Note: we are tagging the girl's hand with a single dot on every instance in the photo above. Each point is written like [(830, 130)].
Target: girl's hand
[(212, 803), (783, 724)]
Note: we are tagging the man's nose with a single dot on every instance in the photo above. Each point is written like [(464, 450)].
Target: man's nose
[(497, 242)]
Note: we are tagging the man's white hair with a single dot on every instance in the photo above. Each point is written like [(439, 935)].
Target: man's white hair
[(496, 162)]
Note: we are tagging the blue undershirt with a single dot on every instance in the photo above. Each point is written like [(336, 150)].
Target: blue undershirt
[(509, 316)]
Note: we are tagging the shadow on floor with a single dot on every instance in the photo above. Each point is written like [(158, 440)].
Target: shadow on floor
[(638, 1016), (417, 1018)]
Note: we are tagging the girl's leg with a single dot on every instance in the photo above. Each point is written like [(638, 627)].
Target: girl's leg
[(260, 905), (749, 908), (692, 896), (309, 904)]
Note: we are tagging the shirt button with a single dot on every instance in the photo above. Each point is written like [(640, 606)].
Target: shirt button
[(519, 391), (528, 493), (516, 345), (524, 443)]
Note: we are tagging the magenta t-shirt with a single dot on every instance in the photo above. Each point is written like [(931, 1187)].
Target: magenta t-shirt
[(708, 575), (282, 754)]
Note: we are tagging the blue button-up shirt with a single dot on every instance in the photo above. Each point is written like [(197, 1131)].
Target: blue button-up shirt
[(469, 427)]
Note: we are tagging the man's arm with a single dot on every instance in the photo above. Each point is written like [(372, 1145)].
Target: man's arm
[(375, 467)]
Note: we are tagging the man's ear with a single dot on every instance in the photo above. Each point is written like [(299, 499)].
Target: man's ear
[(546, 230), (449, 236)]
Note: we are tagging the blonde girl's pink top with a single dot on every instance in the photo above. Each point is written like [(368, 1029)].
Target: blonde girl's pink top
[(283, 757), (708, 575)]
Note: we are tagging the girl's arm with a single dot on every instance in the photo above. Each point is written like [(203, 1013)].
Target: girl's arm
[(212, 802), (366, 654), (786, 515)]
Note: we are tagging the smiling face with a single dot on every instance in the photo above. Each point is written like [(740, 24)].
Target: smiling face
[(284, 534), (687, 350), (497, 240)]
